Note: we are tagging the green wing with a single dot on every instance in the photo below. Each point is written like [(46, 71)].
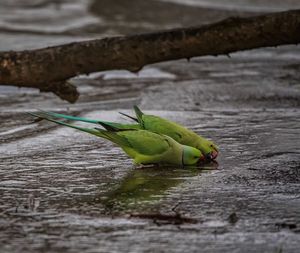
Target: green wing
[(178, 133), (159, 125), (146, 143), (163, 126)]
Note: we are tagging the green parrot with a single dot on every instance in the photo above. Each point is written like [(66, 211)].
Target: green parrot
[(158, 125), (143, 146)]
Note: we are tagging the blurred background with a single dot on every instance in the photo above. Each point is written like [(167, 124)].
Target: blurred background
[(64, 191), (28, 24)]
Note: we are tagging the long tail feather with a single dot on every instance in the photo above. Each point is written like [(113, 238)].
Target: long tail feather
[(139, 114), (111, 136), (88, 130), (69, 117), (128, 116), (109, 127), (112, 125)]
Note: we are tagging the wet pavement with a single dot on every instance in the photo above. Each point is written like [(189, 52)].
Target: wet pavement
[(66, 191)]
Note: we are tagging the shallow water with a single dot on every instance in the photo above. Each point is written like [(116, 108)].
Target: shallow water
[(66, 191)]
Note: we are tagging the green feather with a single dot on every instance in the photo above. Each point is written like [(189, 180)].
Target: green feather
[(44, 116), (118, 126), (139, 114), (95, 131), (128, 116), (69, 117)]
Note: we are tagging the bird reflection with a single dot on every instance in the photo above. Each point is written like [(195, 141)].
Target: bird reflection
[(144, 186)]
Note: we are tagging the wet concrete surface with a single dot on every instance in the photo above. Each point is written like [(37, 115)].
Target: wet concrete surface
[(67, 191)]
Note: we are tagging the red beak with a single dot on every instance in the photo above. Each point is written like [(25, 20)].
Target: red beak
[(214, 154)]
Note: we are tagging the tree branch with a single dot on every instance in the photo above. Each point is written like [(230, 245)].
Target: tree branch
[(48, 69)]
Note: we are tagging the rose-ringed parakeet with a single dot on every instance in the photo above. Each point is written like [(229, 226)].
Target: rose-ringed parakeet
[(178, 132), (143, 146), (158, 125)]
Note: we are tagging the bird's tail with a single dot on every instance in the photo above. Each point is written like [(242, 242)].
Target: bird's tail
[(114, 125), (139, 114), (69, 117), (128, 116), (42, 115), (112, 136)]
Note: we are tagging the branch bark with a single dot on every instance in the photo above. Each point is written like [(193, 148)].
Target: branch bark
[(48, 69)]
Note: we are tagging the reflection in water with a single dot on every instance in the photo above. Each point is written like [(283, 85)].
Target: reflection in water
[(144, 186)]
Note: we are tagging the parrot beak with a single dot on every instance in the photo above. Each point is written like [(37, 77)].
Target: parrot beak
[(212, 155)]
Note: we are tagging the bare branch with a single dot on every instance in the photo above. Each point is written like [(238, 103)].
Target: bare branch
[(48, 69)]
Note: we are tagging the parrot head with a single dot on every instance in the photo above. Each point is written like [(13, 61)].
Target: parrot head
[(208, 148), (191, 156)]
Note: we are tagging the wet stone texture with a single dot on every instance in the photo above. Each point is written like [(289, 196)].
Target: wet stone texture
[(66, 191)]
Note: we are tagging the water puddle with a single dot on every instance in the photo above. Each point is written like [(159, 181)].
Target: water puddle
[(147, 186)]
